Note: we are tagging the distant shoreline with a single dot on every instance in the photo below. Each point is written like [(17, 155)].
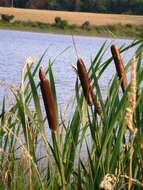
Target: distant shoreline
[(76, 23), (114, 31)]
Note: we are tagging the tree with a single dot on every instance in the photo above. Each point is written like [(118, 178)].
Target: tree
[(4, 3), (42, 4), (77, 5), (110, 6), (88, 5), (20, 3), (101, 6)]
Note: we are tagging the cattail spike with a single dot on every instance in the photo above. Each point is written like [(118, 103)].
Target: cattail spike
[(42, 74), (49, 102), (85, 82), (119, 67)]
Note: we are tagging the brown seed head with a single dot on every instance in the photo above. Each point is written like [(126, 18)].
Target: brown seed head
[(119, 67), (85, 82), (49, 102)]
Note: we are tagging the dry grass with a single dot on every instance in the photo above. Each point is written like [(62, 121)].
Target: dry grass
[(72, 17)]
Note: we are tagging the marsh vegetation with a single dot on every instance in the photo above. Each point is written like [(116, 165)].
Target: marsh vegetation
[(98, 146)]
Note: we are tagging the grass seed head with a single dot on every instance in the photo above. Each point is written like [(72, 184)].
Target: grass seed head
[(119, 67), (85, 82), (131, 98), (48, 98)]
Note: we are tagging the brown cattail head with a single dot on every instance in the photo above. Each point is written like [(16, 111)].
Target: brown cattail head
[(119, 67), (49, 102), (85, 82)]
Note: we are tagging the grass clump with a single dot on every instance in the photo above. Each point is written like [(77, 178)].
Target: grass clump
[(95, 149), (86, 25), (7, 18), (60, 23)]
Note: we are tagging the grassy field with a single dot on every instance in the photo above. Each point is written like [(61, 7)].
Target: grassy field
[(72, 17)]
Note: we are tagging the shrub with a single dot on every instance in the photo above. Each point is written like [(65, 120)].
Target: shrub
[(7, 18), (60, 23), (64, 24), (129, 26), (86, 25), (58, 20)]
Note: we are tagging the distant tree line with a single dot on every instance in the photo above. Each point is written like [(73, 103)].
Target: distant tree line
[(105, 6)]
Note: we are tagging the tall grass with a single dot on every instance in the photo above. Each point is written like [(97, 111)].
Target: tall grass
[(99, 147)]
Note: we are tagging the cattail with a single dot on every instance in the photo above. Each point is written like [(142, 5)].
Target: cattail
[(132, 98), (85, 82), (49, 102), (119, 67), (129, 116)]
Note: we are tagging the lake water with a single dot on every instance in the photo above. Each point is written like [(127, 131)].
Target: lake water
[(16, 46)]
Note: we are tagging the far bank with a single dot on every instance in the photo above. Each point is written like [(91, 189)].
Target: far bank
[(115, 31), (73, 23)]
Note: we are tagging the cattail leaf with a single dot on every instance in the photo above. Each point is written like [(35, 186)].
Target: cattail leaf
[(34, 73), (3, 111), (28, 95), (97, 60), (112, 100), (116, 150), (71, 142), (52, 83), (98, 91), (36, 67), (2, 121), (91, 163), (84, 167), (103, 67), (79, 182), (35, 95), (91, 126), (139, 50), (21, 113), (39, 63), (132, 44), (111, 126), (55, 156)]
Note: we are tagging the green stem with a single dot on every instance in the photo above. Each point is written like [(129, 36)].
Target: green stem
[(58, 154)]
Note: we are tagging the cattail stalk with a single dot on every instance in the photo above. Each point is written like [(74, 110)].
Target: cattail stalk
[(119, 67), (51, 111), (85, 82), (87, 88), (49, 102)]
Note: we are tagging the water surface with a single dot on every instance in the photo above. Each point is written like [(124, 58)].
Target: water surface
[(16, 46)]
